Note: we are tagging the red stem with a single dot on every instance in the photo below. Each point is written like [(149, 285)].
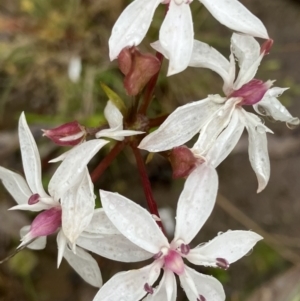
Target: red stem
[(146, 185), (98, 171)]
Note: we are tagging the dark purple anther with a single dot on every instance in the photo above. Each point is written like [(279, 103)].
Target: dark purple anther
[(46, 223), (34, 199), (184, 249), (201, 298), (222, 263), (266, 47), (252, 92), (148, 288), (158, 255)]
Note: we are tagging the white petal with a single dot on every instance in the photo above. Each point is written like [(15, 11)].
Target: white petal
[(184, 123), (196, 202), (101, 224), (30, 158), (216, 124), (15, 185), (258, 148), (78, 208), (196, 284), (166, 290), (226, 141), (176, 36), (131, 26), (37, 244), (272, 107), (115, 247), (113, 115), (133, 221), (236, 16), (70, 171), (129, 285), (117, 134), (35, 207), (61, 246), (85, 265), (230, 246)]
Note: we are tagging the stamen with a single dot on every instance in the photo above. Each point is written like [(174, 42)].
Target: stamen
[(148, 288), (201, 298), (158, 255), (222, 263), (34, 199), (185, 249)]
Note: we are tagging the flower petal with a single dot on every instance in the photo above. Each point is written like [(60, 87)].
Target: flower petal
[(176, 36), (196, 285), (70, 171), (166, 290), (30, 158), (77, 208), (231, 246), (236, 16), (115, 247), (258, 148), (128, 285), (184, 123), (117, 134), (131, 26), (85, 265), (15, 185), (113, 116), (133, 221), (226, 141), (38, 244), (196, 202), (61, 246), (272, 107)]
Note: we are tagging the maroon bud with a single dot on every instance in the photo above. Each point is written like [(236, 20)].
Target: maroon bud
[(266, 47), (46, 222), (138, 69), (34, 199), (185, 249), (252, 92), (68, 134), (182, 160), (222, 263), (148, 288)]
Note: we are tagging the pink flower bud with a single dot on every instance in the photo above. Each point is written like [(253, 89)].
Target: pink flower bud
[(266, 47), (46, 223), (138, 69), (252, 92), (68, 134), (182, 160)]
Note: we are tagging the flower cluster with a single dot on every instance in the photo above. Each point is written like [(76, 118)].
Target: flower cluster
[(122, 230)]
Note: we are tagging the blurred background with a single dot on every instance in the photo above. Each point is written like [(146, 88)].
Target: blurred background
[(53, 56)]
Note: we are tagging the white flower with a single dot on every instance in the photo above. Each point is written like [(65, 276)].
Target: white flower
[(176, 33), (213, 114), (69, 204), (194, 207)]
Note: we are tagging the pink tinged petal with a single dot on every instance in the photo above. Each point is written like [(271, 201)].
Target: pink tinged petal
[(85, 265), (100, 224), (184, 123), (205, 56), (229, 246), (226, 141), (176, 36), (30, 158), (133, 221), (37, 244), (115, 247), (236, 16), (129, 286), (201, 287), (72, 170), (61, 246), (78, 208), (196, 202), (272, 107), (166, 290), (258, 148), (132, 26), (174, 262), (216, 124), (15, 185)]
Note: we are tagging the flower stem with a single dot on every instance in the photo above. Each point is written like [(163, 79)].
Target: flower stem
[(98, 171), (157, 121), (146, 185)]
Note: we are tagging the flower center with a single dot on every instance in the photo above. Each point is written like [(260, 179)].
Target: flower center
[(174, 262)]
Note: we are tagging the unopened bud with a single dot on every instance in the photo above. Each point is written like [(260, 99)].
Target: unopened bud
[(138, 69), (68, 134), (252, 92), (182, 160), (266, 47)]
